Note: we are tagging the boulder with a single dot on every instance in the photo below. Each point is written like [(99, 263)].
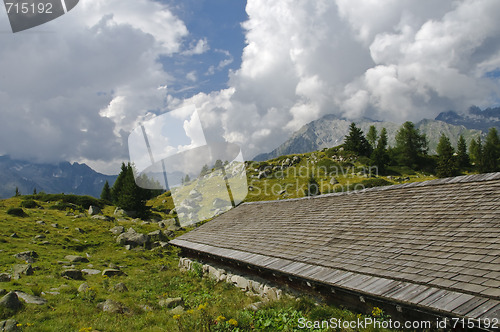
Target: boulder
[(99, 217), (93, 210), (177, 310), (31, 299), (91, 271), (14, 235), (113, 307), (171, 302), (83, 287), (117, 230), (120, 287), (76, 259), (132, 238), (40, 222), (5, 277), (156, 236), (28, 256), (9, 325), (120, 212), (56, 225), (11, 301), (19, 269), (40, 236), (112, 272), (72, 274)]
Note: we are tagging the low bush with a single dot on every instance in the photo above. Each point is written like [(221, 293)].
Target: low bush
[(29, 204), (18, 212)]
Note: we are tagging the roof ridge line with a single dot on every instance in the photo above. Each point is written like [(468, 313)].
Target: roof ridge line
[(482, 177)]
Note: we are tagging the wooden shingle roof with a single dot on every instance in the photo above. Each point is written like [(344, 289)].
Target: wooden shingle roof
[(434, 245)]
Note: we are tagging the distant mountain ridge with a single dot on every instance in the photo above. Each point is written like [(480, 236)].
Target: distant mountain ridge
[(64, 177), (474, 118), (331, 129)]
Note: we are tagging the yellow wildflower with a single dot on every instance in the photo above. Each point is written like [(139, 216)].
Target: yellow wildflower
[(177, 317), (233, 322), (376, 312), (190, 311), (202, 306), (221, 318)]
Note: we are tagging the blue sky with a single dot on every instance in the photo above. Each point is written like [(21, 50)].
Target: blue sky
[(219, 23)]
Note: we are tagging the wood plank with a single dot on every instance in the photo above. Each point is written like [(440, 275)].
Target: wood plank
[(482, 309), (468, 306)]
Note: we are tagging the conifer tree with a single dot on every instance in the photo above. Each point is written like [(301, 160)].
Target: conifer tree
[(372, 136), (18, 193), (356, 142), (380, 157), (446, 166), (106, 192), (473, 151), (410, 144), (312, 187), (463, 159), (491, 151)]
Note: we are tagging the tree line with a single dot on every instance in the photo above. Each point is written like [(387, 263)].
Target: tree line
[(126, 194), (411, 150)]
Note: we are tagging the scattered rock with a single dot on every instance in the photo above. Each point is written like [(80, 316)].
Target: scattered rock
[(173, 228), (163, 268), (104, 218), (120, 212), (11, 301), (91, 271), (83, 287), (112, 272), (76, 259), (14, 235), (156, 236), (113, 307), (132, 238), (171, 302), (31, 299), (28, 256), (120, 287), (9, 325), (93, 210), (5, 277), (255, 306), (40, 222), (40, 236), (72, 274), (146, 307), (19, 269), (113, 266), (79, 230), (177, 310), (117, 230)]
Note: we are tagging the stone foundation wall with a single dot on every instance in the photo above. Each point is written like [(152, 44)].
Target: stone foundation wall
[(253, 285)]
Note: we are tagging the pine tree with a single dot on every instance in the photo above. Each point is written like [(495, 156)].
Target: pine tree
[(106, 192), (187, 179), (410, 144), (127, 194), (473, 151), (312, 187), (18, 193), (491, 151), (380, 157), (463, 159), (356, 142), (446, 162), (204, 170), (34, 191), (372, 136)]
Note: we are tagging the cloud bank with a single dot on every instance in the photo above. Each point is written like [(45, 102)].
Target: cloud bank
[(76, 87)]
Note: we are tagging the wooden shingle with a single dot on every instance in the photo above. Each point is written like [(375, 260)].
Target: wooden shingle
[(433, 244)]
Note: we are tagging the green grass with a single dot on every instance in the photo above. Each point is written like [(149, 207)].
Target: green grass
[(209, 306), (73, 311)]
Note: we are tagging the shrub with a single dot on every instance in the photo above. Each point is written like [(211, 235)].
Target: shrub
[(18, 212), (377, 182), (29, 204)]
